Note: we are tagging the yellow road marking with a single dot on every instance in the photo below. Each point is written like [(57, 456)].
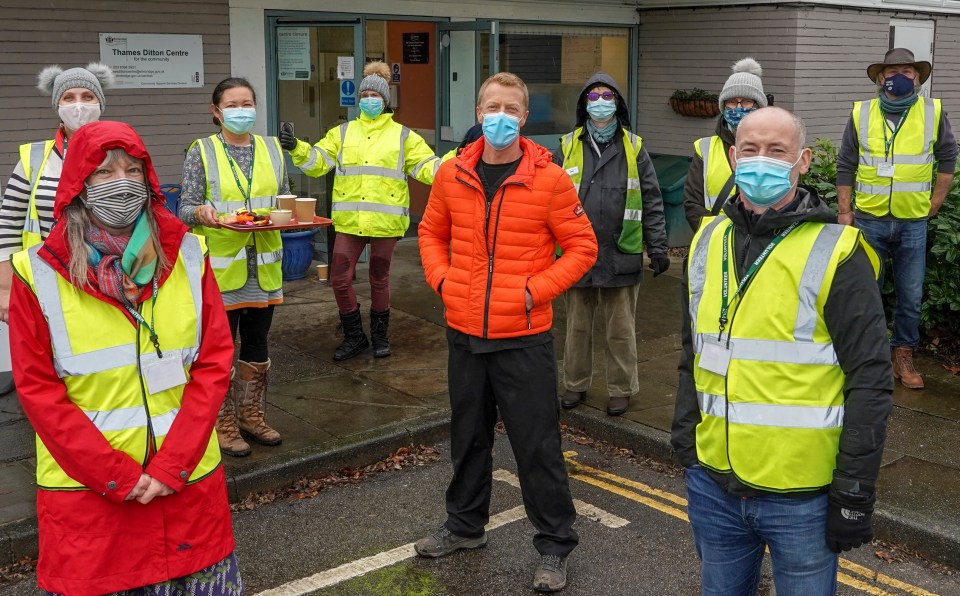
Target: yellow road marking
[(845, 579), (629, 494), (884, 579), (569, 455)]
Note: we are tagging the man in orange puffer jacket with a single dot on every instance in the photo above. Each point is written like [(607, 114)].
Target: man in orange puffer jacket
[(495, 215)]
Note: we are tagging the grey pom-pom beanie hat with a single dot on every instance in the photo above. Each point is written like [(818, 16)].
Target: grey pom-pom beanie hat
[(55, 81), (375, 76), (745, 82)]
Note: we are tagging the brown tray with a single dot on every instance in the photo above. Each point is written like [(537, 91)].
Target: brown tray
[(318, 222)]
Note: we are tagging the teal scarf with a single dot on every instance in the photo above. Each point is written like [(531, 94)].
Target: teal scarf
[(605, 134), (898, 105)]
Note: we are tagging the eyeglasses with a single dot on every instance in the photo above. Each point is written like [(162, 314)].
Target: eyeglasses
[(607, 95), (746, 104)]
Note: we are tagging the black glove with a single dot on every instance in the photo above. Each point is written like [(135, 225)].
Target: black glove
[(849, 514), (287, 140), (659, 263)]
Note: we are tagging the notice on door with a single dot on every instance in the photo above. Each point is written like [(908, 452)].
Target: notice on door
[(152, 61), (416, 48), (293, 53), (345, 68)]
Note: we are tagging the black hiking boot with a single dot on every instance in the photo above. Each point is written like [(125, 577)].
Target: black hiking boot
[(354, 340)]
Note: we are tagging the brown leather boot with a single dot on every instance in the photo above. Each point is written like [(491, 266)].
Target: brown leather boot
[(228, 435), (571, 399), (903, 368), (250, 386), (618, 404)]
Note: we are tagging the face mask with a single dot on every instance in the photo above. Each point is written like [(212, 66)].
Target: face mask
[(898, 85), (239, 120), (764, 180), (75, 115), (733, 116), (500, 129), (116, 203), (602, 110), (371, 106)]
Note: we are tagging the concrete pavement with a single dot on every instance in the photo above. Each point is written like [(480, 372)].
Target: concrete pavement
[(354, 412)]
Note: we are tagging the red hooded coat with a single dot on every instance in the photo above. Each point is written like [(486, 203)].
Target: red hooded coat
[(94, 542)]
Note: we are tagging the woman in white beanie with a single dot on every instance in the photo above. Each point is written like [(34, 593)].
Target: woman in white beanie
[(26, 214), (373, 156)]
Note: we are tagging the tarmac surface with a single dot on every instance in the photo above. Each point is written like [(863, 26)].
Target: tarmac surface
[(356, 412)]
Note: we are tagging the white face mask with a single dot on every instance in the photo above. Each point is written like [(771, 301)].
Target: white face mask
[(75, 115)]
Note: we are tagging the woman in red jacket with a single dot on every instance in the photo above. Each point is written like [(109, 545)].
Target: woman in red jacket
[(122, 355)]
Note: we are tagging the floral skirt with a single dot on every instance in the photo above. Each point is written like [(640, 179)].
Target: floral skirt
[(220, 579)]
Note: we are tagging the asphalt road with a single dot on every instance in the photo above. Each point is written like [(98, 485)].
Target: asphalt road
[(357, 539)]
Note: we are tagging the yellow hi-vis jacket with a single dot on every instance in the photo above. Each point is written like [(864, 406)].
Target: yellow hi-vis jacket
[(775, 419), (906, 195), (33, 157), (716, 167), (631, 234), (228, 249), (372, 159), (104, 371)]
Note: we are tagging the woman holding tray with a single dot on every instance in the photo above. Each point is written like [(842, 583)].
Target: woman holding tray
[(232, 170)]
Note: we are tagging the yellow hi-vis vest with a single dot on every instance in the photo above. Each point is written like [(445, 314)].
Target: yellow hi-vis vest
[(716, 167), (775, 419), (33, 157), (101, 358), (907, 194), (631, 234), (228, 249)]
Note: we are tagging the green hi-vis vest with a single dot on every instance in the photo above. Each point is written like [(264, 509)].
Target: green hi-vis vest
[(716, 167), (906, 195), (631, 234), (101, 358), (33, 157), (228, 249), (775, 419)]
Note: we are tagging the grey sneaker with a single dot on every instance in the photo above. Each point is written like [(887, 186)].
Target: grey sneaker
[(551, 575), (443, 542)]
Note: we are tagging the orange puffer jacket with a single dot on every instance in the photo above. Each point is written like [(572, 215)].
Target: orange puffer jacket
[(486, 255)]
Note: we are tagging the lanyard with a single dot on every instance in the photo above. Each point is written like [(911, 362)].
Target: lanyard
[(234, 167), (751, 271), (888, 142), (64, 156), (153, 314)]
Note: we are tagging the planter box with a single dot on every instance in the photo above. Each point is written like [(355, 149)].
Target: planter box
[(695, 108)]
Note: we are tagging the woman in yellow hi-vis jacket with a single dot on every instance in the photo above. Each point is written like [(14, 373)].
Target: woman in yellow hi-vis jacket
[(232, 170), (373, 155)]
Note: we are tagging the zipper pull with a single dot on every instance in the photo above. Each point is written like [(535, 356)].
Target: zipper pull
[(490, 267)]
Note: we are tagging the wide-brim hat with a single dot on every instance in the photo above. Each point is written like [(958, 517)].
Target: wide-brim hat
[(898, 56)]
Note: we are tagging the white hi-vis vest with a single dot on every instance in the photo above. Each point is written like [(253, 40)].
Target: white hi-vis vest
[(716, 167), (101, 358), (33, 157), (775, 418)]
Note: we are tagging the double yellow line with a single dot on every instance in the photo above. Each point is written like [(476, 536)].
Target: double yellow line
[(671, 504)]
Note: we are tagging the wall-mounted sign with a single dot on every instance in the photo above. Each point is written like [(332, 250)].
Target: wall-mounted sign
[(293, 53), (416, 48), (345, 69), (150, 61), (395, 73), (348, 94)]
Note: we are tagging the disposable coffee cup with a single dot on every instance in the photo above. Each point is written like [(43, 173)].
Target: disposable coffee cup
[(323, 270), (305, 210), (288, 202)]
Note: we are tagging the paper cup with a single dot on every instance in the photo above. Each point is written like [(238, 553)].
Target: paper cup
[(323, 271), (288, 202), (305, 210)]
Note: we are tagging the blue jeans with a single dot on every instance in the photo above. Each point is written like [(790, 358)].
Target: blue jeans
[(904, 243), (731, 532)]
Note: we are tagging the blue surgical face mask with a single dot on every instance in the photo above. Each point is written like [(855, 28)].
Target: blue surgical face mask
[(899, 85), (733, 116), (500, 129), (371, 106), (239, 120), (602, 109), (764, 181)]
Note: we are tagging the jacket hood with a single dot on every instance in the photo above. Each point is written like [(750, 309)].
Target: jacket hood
[(602, 78), (806, 206)]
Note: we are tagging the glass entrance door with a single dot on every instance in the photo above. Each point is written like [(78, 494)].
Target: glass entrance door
[(469, 53)]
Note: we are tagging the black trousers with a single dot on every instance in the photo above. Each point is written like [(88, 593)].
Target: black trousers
[(522, 383), (253, 325)]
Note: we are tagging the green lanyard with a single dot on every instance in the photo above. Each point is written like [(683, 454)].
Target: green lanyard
[(153, 315), (888, 142), (234, 167), (751, 271)]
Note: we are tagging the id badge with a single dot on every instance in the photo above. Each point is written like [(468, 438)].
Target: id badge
[(885, 170), (573, 171), (715, 356), (165, 373)]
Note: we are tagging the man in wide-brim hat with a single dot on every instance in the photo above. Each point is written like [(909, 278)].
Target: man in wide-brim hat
[(891, 148)]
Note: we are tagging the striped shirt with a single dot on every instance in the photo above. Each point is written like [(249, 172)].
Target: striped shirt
[(193, 194), (16, 203)]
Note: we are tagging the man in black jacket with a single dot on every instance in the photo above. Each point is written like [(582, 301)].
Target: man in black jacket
[(785, 378)]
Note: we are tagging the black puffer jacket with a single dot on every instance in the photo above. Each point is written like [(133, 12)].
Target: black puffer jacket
[(857, 328), (603, 193)]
